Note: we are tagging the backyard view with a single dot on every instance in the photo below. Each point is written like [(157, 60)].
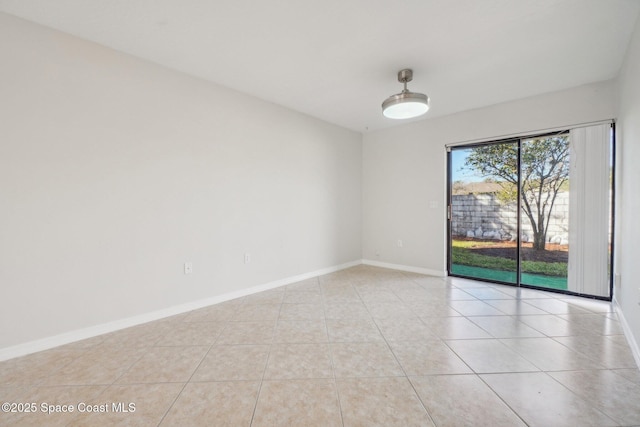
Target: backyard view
[(488, 183), (496, 261)]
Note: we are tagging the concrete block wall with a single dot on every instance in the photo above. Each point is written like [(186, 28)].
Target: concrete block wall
[(485, 216)]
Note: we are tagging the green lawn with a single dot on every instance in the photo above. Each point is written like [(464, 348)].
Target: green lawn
[(467, 263)]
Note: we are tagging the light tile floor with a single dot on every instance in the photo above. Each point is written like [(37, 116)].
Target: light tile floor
[(361, 347)]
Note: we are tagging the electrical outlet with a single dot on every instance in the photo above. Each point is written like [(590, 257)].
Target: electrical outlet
[(188, 267), (247, 258), (399, 243)]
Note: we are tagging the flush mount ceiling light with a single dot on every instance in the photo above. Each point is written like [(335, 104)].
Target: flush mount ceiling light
[(406, 104)]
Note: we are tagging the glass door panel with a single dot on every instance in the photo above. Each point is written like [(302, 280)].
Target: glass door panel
[(483, 212), (544, 210)]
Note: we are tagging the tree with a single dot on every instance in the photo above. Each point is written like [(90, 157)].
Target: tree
[(458, 187), (544, 168)]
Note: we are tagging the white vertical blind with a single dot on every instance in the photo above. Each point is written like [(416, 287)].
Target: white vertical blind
[(589, 206)]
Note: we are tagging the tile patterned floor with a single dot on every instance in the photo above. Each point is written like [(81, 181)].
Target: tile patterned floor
[(361, 347)]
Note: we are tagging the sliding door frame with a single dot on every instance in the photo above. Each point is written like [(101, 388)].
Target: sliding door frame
[(612, 219), (518, 140)]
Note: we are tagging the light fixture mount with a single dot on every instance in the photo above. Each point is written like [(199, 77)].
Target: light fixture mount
[(406, 104), (405, 76)]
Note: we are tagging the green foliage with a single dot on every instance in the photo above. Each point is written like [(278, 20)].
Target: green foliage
[(471, 244), (508, 193), (462, 254), (545, 268), (465, 256)]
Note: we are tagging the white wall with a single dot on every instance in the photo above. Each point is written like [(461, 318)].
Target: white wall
[(115, 171), (628, 189), (404, 168)]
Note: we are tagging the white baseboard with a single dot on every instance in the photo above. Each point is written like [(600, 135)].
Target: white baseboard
[(81, 334), (633, 344), (406, 268)]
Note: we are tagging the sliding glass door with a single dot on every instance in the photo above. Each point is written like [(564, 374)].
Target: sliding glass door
[(534, 211)]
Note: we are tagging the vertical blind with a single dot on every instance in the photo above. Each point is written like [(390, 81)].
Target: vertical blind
[(589, 207)]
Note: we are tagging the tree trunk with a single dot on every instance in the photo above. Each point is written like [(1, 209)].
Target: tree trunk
[(539, 240)]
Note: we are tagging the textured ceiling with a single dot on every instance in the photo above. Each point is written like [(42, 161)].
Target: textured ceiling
[(337, 59)]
